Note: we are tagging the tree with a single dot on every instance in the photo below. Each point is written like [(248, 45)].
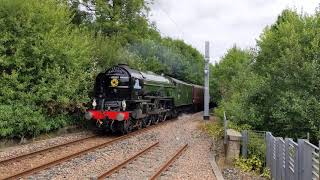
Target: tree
[(279, 90), (288, 60), (171, 57), (126, 19), (230, 68)]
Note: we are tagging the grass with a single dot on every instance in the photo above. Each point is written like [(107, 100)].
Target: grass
[(214, 129)]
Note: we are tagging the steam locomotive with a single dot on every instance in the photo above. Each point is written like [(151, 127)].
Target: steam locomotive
[(127, 99)]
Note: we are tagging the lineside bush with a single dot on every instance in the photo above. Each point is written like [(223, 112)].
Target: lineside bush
[(44, 67)]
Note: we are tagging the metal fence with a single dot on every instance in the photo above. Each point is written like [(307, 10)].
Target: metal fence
[(290, 160), (253, 143)]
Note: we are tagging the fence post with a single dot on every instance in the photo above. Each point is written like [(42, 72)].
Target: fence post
[(245, 141), (225, 127), (273, 158), (278, 158), (282, 149), (300, 158), (296, 164), (286, 159), (308, 162), (268, 139)]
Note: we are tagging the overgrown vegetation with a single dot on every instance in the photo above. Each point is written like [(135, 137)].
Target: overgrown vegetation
[(50, 52), (275, 86), (214, 129), (252, 164)]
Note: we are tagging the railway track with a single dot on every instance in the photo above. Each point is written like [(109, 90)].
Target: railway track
[(162, 168), (37, 168), (16, 158), (166, 165), (125, 162)]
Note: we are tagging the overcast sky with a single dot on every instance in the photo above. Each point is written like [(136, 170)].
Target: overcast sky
[(222, 22)]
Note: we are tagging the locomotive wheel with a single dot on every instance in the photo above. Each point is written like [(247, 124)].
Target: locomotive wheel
[(137, 124), (165, 116), (113, 127), (162, 117), (148, 120), (152, 119), (140, 124), (126, 126), (98, 129), (144, 122), (175, 113), (158, 119), (155, 119)]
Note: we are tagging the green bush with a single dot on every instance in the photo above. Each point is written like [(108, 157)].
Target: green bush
[(254, 165), (250, 164), (257, 146), (45, 67), (18, 119), (25, 121), (266, 173)]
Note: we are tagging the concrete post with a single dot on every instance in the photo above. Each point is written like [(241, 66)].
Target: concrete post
[(233, 148)]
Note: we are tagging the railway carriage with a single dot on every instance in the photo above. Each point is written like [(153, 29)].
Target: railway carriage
[(125, 99)]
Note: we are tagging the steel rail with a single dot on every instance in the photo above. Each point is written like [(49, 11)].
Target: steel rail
[(125, 162), (44, 150), (68, 157), (169, 162)]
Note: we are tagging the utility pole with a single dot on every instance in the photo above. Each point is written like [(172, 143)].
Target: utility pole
[(206, 83)]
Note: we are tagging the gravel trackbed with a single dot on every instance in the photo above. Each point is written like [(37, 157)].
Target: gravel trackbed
[(192, 164)]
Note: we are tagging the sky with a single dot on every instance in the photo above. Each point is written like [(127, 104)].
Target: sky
[(221, 22)]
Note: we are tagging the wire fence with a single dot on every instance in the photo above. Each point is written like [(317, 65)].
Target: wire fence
[(253, 143)]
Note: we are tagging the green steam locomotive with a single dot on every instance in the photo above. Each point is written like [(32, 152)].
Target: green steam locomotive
[(126, 99)]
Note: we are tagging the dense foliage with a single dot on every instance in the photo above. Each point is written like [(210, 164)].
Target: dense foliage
[(44, 66), (276, 86), (51, 50)]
